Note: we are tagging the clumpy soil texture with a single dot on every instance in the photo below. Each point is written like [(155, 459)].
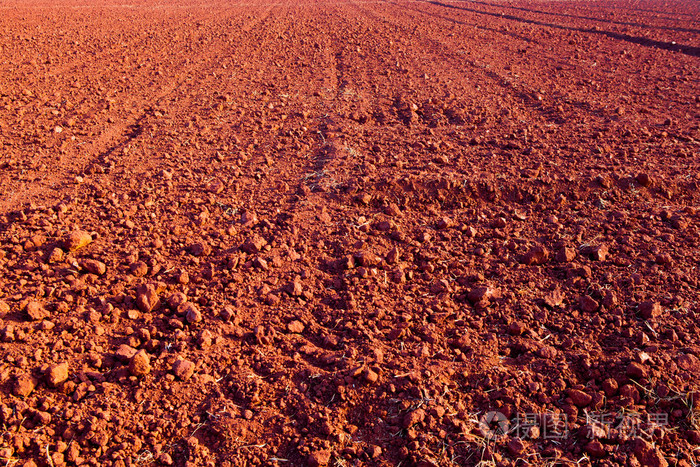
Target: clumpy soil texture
[(435, 233)]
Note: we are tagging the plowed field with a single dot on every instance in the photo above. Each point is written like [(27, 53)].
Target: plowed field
[(343, 233)]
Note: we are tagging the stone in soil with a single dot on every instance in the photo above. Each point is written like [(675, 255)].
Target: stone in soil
[(93, 266), (580, 398), (319, 458), (76, 240), (647, 454), (296, 327), (36, 311), (191, 312), (147, 298), (57, 374), (650, 310), (140, 364), (536, 255), (24, 385), (183, 369)]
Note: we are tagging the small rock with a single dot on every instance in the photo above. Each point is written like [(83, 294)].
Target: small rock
[(176, 299), (24, 385), (370, 376), (319, 458), (55, 256), (76, 240), (599, 253), (147, 298), (36, 311), (647, 454), (413, 417), (254, 244), (580, 398), (517, 328), (140, 364), (183, 369), (644, 179), (294, 288), (125, 352), (516, 446), (445, 223), (650, 310), (216, 186), (595, 448), (554, 299), (57, 374), (565, 255), (165, 458), (138, 268), (536, 256), (482, 296), (199, 249), (610, 387), (190, 311), (4, 309), (295, 327), (93, 266), (636, 370), (393, 256), (588, 304), (249, 218)]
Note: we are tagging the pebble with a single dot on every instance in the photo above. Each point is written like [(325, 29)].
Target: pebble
[(445, 223), (565, 255), (413, 417), (294, 288), (599, 253), (138, 268), (636, 370), (536, 256), (57, 374), (199, 249), (319, 458), (595, 448), (4, 308), (647, 454), (482, 295), (610, 387), (36, 311), (147, 298), (516, 446), (140, 364), (176, 299), (295, 327), (254, 244), (77, 239), (580, 398), (588, 304), (93, 266), (24, 385), (644, 179), (190, 311), (650, 309), (125, 352), (517, 328), (55, 256), (370, 376), (183, 369)]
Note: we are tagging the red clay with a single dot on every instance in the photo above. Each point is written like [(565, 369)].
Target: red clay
[(349, 233)]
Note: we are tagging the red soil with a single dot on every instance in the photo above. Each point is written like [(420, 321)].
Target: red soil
[(344, 233)]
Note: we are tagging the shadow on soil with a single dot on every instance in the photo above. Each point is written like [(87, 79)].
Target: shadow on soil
[(684, 49), (590, 18)]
